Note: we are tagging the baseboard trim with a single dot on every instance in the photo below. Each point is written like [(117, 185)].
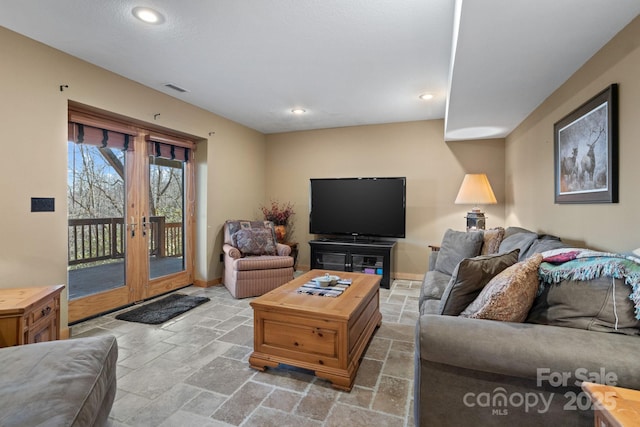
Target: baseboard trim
[(207, 283), (409, 276)]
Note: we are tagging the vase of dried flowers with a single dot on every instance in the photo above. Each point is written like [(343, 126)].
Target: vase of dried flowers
[(279, 215), (281, 233)]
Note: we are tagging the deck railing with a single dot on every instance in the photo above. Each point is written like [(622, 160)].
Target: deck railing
[(97, 239)]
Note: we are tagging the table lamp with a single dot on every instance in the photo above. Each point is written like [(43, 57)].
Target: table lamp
[(475, 190)]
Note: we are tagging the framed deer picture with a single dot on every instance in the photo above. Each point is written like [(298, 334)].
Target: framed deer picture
[(586, 151)]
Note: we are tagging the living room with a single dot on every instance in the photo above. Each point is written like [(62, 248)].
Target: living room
[(238, 168), (279, 166)]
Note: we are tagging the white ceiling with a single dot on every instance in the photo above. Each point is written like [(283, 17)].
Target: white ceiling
[(488, 63)]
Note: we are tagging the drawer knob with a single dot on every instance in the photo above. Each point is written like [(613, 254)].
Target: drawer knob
[(46, 311)]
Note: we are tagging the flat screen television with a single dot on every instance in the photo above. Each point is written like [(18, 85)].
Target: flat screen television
[(368, 207)]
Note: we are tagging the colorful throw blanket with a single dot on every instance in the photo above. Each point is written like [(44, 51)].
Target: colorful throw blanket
[(583, 264)]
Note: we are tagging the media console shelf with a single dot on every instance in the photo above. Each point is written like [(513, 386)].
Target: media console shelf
[(369, 257)]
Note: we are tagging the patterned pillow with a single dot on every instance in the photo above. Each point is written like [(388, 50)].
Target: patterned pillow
[(492, 239), (254, 241), (509, 295), (234, 226)]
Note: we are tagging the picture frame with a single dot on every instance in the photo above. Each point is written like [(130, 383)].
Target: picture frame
[(586, 151)]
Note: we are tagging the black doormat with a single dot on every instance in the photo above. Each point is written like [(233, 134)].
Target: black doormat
[(162, 310)]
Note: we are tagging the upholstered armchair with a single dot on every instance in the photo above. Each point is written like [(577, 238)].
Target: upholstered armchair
[(254, 263)]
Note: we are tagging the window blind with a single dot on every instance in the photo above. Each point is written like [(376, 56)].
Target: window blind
[(85, 134), (168, 151), (169, 148)]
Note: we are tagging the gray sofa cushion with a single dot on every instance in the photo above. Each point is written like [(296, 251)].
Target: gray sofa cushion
[(456, 246), (587, 305), (544, 243), (433, 286), (58, 383), (469, 277), (510, 231), (521, 349), (430, 306), (517, 240)]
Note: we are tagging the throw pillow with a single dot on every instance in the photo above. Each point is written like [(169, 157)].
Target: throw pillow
[(510, 231), (456, 246), (600, 304), (544, 243), (491, 240), (470, 277), (509, 295), (522, 240), (234, 226), (254, 241)]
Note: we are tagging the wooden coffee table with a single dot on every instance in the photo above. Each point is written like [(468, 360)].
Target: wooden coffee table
[(327, 335), (613, 406)]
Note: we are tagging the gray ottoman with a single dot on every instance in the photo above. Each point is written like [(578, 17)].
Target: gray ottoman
[(58, 383)]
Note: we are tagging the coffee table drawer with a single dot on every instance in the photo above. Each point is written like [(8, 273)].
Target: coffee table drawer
[(299, 338)]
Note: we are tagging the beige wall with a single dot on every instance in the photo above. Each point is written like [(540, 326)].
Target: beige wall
[(236, 170), (529, 155), (434, 171), (33, 135)]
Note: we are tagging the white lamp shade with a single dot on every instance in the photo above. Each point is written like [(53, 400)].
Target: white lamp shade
[(475, 190)]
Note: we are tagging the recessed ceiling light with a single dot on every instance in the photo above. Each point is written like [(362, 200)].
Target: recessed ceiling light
[(426, 96), (147, 15), (298, 111)]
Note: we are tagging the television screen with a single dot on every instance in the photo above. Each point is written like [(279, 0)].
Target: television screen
[(358, 206)]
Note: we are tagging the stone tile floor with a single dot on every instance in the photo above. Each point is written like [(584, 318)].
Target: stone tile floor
[(193, 370)]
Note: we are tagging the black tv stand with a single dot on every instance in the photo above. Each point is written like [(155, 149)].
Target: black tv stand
[(354, 254)]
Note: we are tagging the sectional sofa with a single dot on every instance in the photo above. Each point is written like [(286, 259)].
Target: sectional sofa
[(570, 318)]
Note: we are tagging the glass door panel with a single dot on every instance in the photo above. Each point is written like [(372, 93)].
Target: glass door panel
[(130, 226), (165, 224), (368, 264), (331, 261), (96, 226)]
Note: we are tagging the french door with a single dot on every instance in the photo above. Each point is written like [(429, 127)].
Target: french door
[(131, 214)]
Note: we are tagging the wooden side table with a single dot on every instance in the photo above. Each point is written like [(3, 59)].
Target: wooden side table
[(294, 252), (29, 315), (613, 406)]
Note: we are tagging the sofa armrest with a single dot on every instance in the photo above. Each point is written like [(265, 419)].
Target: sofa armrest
[(527, 350), (231, 252), (283, 250), (63, 382)]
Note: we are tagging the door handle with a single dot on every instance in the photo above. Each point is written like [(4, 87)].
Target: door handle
[(144, 225), (132, 226)]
